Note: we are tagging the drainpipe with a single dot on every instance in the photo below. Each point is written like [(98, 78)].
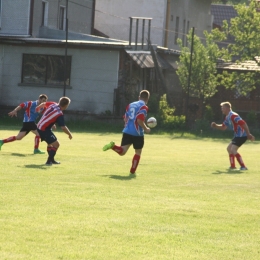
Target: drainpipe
[(168, 13)]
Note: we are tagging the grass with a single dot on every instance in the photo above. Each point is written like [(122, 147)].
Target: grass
[(183, 203)]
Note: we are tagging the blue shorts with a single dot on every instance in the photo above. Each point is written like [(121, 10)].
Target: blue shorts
[(48, 136)]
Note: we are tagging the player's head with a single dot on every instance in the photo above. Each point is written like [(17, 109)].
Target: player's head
[(43, 98), (64, 102), (144, 95), (225, 107)]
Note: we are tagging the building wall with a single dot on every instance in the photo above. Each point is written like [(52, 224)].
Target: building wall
[(15, 17), (94, 76), (196, 12), (79, 15), (112, 18)]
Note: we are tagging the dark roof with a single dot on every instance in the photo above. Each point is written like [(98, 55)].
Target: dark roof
[(221, 13)]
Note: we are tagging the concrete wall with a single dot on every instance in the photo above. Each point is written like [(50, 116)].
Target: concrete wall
[(94, 76), (112, 18), (15, 17), (196, 12), (79, 15)]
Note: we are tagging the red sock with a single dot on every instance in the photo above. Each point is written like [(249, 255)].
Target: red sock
[(232, 160), (239, 159), (117, 149), (9, 139), (135, 162), (36, 142)]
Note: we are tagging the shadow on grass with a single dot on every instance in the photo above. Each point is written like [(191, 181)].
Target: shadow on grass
[(37, 166), (121, 178), (228, 171)]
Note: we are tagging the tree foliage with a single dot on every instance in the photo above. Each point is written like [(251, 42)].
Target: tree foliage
[(203, 78)]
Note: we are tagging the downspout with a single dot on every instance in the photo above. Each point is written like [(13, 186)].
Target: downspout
[(93, 16), (30, 29), (168, 13)]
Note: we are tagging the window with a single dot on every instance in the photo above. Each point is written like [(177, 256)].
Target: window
[(45, 69), (183, 32), (176, 30), (44, 13), (62, 18), (187, 30)]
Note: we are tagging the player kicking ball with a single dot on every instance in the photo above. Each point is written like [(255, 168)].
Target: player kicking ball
[(133, 132), (241, 130)]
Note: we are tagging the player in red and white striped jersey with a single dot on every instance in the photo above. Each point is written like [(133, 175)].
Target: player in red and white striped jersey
[(53, 114)]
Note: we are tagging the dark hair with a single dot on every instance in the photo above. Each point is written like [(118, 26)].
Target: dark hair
[(64, 101), (144, 94), (43, 96)]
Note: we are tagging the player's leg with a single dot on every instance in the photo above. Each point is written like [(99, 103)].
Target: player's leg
[(20, 136), (126, 142), (236, 143), (138, 143), (52, 150), (37, 140), (231, 156)]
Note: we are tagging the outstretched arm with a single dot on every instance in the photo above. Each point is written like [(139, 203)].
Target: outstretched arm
[(14, 112), (218, 126)]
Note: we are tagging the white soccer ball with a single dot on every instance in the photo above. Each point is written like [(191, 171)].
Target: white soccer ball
[(151, 122)]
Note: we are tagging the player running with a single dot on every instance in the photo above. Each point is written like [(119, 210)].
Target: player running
[(133, 132), (29, 125), (242, 133), (53, 114)]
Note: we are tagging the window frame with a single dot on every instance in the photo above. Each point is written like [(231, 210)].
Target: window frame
[(45, 74), (62, 15), (0, 13), (45, 13)]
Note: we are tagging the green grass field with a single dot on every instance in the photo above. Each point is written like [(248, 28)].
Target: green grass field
[(183, 204)]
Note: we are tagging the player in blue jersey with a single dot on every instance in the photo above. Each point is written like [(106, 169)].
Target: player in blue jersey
[(241, 133), (29, 125), (133, 132)]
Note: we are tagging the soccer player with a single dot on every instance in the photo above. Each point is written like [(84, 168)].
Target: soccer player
[(133, 132), (29, 125), (53, 114), (241, 130)]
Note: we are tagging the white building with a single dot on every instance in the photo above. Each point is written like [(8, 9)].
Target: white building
[(171, 19)]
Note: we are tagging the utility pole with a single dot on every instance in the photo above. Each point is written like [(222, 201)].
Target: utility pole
[(189, 78), (66, 50)]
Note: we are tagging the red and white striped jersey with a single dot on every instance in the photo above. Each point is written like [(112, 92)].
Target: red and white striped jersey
[(52, 114)]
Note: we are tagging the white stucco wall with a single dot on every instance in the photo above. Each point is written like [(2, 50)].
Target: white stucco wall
[(15, 17), (112, 18), (94, 76)]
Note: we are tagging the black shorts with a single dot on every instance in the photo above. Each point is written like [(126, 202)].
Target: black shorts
[(48, 136), (238, 141), (136, 141), (28, 127)]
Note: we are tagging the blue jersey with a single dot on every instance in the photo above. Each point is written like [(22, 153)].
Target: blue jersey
[(234, 121), (134, 111), (30, 115)]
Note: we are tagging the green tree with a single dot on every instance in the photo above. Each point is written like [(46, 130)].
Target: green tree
[(245, 31), (204, 78)]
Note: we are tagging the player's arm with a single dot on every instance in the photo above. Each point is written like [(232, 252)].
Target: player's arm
[(246, 128), (218, 126), (14, 112), (67, 131), (38, 108), (141, 122)]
